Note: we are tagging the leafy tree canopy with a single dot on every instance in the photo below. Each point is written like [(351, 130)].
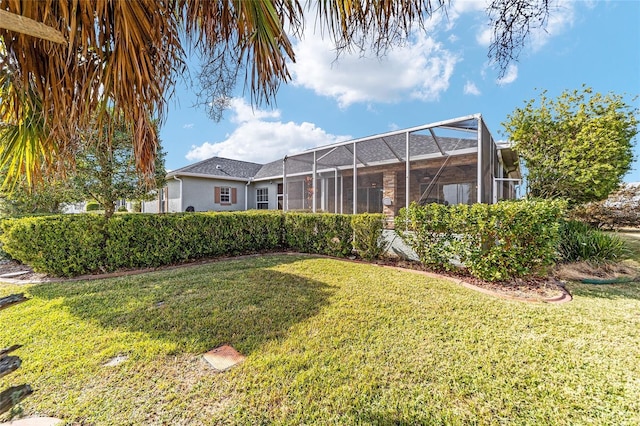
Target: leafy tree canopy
[(105, 168), (577, 146)]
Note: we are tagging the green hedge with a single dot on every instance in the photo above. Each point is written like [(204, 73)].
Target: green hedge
[(494, 242), (92, 207), (69, 245), (138, 240), (61, 245), (322, 233), (367, 235)]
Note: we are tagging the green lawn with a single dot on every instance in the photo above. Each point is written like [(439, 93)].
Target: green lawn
[(327, 342)]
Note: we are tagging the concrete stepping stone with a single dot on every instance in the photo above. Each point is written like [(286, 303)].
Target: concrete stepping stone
[(223, 357)]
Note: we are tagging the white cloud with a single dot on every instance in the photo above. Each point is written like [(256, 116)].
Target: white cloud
[(484, 37), (244, 112), (421, 69), (471, 89), (560, 18), (260, 140), (509, 77), (188, 126)]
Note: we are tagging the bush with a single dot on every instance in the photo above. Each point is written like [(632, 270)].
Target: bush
[(494, 242), (154, 240), (430, 232), (122, 209), (92, 206), (322, 233), (367, 235), (136, 207), (580, 242), (75, 244), (63, 245)]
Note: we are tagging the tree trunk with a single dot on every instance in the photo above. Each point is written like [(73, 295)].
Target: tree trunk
[(108, 211)]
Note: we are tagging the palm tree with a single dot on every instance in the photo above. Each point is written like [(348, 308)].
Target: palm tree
[(63, 61)]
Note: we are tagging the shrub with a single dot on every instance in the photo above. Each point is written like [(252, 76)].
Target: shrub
[(430, 232), (64, 245), (494, 242), (154, 240), (580, 242), (75, 244), (92, 206), (367, 235), (322, 233), (122, 209), (136, 207)]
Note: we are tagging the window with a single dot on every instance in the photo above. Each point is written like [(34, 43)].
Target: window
[(280, 196), (225, 195), (458, 193), (262, 198)]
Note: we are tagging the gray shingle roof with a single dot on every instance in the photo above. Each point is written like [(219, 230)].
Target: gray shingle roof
[(219, 166), (270, 170)]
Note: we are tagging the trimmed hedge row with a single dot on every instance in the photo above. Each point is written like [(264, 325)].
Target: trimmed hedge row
[(69, 245), (322, 233), (61, 244), (494, 242)]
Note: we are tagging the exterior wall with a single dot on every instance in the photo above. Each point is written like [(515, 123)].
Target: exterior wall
[(271, 186), (151, 206), (173, 196), (200, 194)]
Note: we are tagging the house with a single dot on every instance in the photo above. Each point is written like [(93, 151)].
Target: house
[(450, 162)]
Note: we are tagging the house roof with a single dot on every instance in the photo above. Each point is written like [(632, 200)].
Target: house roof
[(219, 167)]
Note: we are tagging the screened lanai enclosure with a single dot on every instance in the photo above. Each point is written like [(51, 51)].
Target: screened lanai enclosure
[(448, 162)]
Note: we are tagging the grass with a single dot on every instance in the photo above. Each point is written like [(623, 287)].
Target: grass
[(327, 342), (632, 239)]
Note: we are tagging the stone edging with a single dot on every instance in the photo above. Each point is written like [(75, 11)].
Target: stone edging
[(563, 298)]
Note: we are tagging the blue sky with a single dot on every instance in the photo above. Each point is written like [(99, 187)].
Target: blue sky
[(440, 75)]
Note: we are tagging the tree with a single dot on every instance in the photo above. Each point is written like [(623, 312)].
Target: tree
[(126, 56), (577, 147), (105, 166), (46, 196)]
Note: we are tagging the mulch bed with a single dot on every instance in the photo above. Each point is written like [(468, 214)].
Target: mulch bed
[(534, 288)]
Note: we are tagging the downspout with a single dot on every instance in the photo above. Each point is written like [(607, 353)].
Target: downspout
[(179, 180), (246, 195)]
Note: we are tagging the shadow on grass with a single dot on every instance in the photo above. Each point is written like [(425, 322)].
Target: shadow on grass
[(628, 290), (244, 303)]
